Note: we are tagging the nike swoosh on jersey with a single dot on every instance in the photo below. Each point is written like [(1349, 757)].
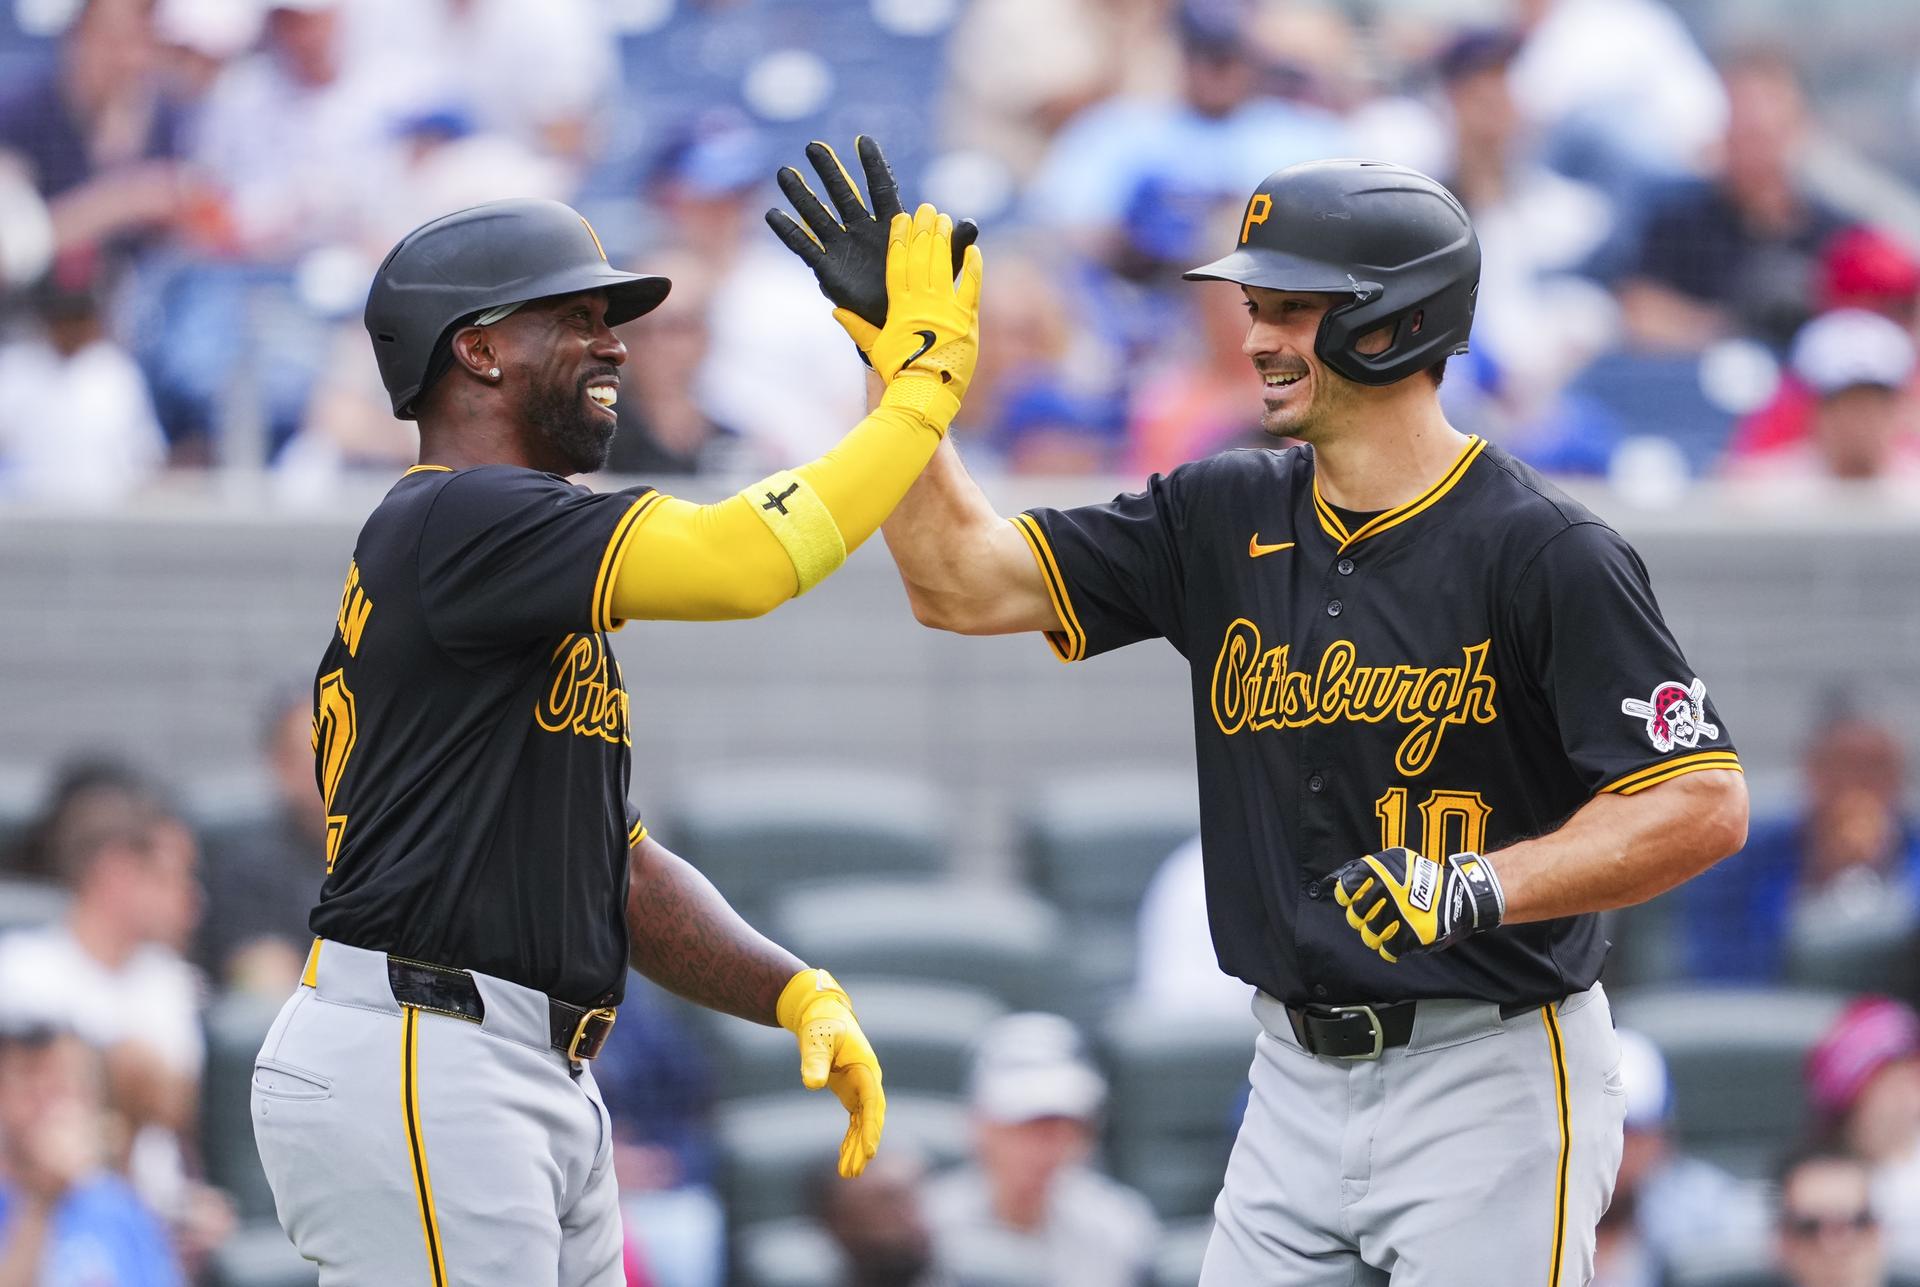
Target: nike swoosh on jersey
[(1255, 549)]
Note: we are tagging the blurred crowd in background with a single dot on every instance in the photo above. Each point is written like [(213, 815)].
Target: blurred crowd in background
[(1702, 260), (1700, 254)]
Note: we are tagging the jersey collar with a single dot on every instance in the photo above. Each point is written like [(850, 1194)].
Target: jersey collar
[(1330, 522)]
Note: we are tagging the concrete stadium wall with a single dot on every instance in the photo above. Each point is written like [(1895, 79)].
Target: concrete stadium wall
[(157, 634)]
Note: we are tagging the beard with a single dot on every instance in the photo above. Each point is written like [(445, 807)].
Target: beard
[(580, 433)]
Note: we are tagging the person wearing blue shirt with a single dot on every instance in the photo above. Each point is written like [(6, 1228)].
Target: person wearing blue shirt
[(1846, 867), (65, 1220)]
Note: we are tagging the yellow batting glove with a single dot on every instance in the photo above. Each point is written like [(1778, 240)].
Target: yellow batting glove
[(1402, 902), (927, 349), (835, 1053)]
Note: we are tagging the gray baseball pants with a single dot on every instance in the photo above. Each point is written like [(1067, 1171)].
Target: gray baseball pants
[(409, 1148), (1480, 1154)]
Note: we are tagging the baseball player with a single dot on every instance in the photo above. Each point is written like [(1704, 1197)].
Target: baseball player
[(423, 1104), (1440, 724)]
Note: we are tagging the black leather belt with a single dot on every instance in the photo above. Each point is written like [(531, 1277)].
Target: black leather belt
[(1362, 1031), (576, 1032)]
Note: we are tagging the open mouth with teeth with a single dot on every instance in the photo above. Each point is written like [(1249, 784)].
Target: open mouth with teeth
[(603, 395), (1276, 380)]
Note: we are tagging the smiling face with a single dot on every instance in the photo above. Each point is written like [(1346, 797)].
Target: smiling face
[(560, 370), (1303, 398)]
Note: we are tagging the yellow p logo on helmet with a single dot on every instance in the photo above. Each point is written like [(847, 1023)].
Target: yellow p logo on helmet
[(1257, 211)]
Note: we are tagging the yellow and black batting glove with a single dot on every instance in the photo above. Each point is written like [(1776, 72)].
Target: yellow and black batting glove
[(1404, 902), (846, 247), (835, 1053), (927, 350)]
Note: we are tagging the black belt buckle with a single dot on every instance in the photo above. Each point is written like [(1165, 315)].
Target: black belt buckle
[(1373, 1022), (590, 1033)]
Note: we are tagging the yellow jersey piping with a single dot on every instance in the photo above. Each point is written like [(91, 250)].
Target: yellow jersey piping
[(1069, 643), (1667, 770), (1332, 525)]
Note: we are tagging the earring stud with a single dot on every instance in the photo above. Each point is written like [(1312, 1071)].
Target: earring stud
[(493, 373)]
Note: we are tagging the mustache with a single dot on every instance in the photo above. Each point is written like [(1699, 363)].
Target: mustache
[(599, 372), (1294, 367)]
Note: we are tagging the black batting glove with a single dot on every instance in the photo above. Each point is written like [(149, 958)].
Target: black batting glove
[(1403, 902), (847, 250)]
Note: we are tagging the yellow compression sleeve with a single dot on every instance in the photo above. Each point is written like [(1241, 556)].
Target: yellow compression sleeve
[(748, 554)]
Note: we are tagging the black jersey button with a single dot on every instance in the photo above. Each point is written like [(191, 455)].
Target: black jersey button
[(1316, 784), (1334, 608), (1314, 891), (1345, 567), (1320, 989)]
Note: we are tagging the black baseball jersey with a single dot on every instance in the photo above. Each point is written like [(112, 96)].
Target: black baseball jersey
[(1458, 673), (471, 736)]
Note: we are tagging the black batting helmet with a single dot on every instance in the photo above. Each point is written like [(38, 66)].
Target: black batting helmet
[(446, 273), (1390, 237)]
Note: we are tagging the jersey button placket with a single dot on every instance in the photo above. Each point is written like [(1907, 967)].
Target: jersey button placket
[(1335, 608)]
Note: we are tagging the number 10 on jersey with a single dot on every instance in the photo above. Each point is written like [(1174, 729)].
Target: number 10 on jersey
[(1451, 822)]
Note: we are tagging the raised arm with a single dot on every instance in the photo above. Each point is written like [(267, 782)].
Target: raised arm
[(966, 568), (784, 534)]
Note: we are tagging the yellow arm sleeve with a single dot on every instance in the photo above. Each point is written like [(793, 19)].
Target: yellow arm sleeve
[(748, 554)]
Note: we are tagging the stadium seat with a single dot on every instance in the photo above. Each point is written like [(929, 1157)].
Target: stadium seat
[(774, 1149), (1092, 844), (1001, 939), (1734, 1056), (236, 1025), (755, 832), (1183, 1246), (922, 1031), (1646, 948), (25, 904), (1848, 957), (786, 1253), (1177, 1082), (259, 1255)]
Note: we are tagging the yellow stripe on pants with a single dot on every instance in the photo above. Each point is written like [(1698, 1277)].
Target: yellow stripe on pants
[(1559, 1051), (417, 1145)]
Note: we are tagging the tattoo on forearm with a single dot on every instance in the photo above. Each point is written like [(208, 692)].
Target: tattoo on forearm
[(690, 941)]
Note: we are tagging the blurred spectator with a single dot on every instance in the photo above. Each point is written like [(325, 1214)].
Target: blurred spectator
[(65, 1219), (1860, 268), (112, 970), (1863, 1080), (1219, 137), (26, 228), (1536, 321), (298, 139), (262, 878), (1848, 866), (1176, 966), (657, 1082), (98, 135), (75, 783), (1827, 1233), (1671, 1202), (1044, 396), (1036, 1103), (766, 313), (1018, 70), (537, 72), (299, 135), (664, 429), (77, 424), (879, 1223), (1194, 404), (1619, 89), (1858, 369), (1735, 256)]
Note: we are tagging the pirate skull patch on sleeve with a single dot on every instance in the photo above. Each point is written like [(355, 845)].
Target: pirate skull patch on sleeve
[(1675, 715)]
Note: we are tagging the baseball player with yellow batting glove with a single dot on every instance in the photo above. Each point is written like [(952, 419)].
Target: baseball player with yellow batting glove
[(834, 1053), (1403, 902)]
